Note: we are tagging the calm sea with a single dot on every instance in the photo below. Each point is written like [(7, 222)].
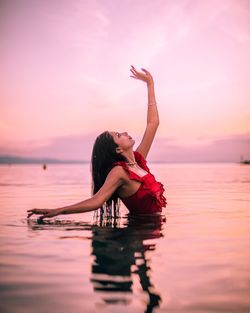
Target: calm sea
[(197, 260)]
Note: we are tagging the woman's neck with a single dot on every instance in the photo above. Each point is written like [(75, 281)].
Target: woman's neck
[(129, 155)]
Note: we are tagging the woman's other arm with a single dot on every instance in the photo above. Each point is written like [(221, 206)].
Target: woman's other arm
[(114, 180), (152, 113)]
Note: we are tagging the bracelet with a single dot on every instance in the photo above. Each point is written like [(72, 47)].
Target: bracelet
[(152, 103)]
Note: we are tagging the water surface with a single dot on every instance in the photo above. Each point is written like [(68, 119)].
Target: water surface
[(194, 260)]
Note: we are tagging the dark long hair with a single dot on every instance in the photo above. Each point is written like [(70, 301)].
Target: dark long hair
[(103, 156)]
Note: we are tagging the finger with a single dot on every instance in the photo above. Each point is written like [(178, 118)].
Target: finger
[(144, 70), (35, 211), (133, 68), (133, 77), (134, 72)]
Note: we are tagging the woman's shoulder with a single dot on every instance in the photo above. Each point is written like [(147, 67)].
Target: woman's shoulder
[(119, 172)]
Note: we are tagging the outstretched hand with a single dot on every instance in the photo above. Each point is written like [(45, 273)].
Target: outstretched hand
[(146, 76), (44, 212)]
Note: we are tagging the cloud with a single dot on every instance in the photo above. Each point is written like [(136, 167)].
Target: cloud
[(221, 149), (74, 57), (199, 85), (235, 21), (100, 16), (79, 147)]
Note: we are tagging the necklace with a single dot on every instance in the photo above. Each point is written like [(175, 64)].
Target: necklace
[(131, 163)]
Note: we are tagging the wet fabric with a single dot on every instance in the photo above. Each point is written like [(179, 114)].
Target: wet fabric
[(149, 197)]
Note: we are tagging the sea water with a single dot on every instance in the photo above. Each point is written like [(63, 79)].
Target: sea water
[(196, 259)]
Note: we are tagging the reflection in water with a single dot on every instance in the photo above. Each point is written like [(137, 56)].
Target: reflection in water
[(121, 253)]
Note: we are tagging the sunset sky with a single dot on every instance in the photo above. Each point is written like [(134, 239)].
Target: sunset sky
[(65, 76)]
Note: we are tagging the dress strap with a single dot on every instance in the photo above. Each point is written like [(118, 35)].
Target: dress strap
[(141, 161)]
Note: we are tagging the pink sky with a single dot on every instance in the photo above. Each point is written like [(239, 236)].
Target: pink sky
[(65, 76)]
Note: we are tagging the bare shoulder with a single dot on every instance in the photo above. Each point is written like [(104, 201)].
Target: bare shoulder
[(119, 172), (114, 180)]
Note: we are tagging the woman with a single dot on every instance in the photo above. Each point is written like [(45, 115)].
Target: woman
[(118, 172)]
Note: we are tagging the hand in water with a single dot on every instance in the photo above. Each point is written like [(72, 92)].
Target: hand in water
[(44, 212)]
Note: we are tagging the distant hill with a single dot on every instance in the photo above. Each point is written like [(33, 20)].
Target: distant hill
[(7, 159)]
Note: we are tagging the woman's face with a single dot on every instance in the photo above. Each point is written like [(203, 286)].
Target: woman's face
[(123, 140)]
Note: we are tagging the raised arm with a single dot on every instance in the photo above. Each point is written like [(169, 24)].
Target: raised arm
[(114, 180), (152, 113)]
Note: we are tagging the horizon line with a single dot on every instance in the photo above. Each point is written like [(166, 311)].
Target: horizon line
[(15, 159)]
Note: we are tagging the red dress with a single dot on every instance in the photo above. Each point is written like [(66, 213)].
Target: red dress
[(149, 197)]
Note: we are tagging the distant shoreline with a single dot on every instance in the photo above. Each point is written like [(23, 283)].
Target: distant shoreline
[(21, 160), (16, 160)]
